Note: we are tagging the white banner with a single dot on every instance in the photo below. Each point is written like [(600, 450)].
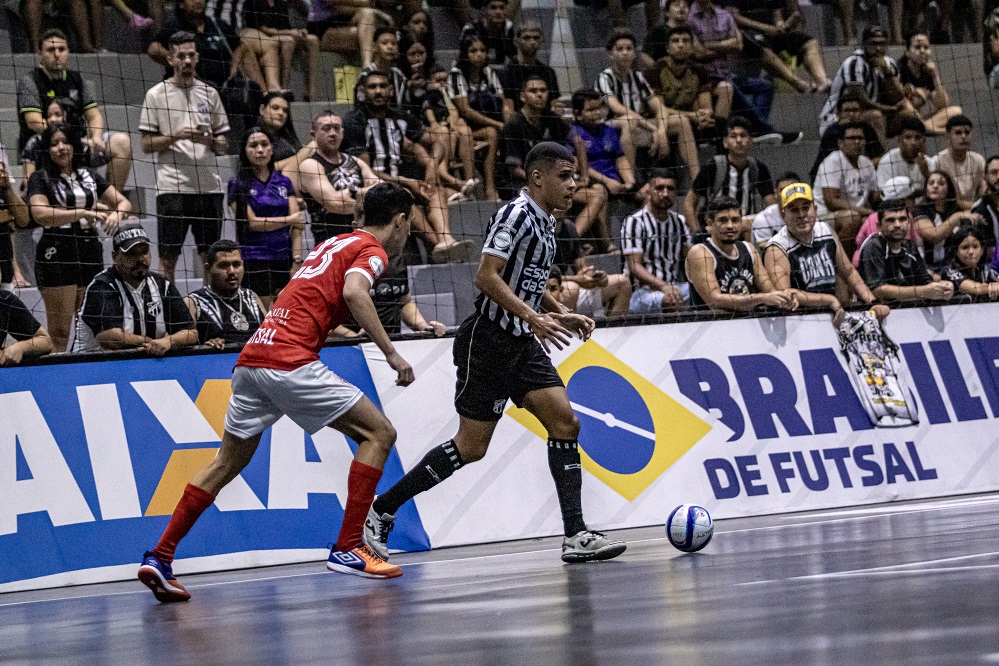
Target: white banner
[(745, 417)]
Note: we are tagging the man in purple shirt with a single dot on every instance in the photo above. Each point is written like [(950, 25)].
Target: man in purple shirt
[(719, 36)]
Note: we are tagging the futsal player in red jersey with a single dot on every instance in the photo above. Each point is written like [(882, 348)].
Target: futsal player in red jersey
[(279, 373)]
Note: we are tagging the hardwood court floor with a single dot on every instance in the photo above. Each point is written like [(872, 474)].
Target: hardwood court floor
[(912, 583)]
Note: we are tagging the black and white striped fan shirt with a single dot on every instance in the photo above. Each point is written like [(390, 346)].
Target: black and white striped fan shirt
[(632, 92), (660, 242), (523, 234), (380, 138)]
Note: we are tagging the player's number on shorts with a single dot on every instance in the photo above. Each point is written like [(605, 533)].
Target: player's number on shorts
[(324, 253)]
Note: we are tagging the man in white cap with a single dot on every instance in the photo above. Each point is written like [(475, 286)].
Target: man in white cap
[(807, 256), (129, 307)]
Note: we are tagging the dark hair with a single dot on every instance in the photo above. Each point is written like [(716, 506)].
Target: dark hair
[(217, 248), (890, 206), (182, 37), (843, 129), (374, 73), (437, 69), (526, 25), (673, 173), (721, 203), (989, 160), (680, 30), (245, 168), (790, 175), (741, 122), (546, 154), (383, 202), (383, 30), (960, 120), (912, 124), (50, 33), (73, 136), (581, 97), (286, 131), (462, 62), (854, 92), (428, 39), (405, 44), (962, 232), (555, 274), (909, 38), (619, 34), (949, 201)]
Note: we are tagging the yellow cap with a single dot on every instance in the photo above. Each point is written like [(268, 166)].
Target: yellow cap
[(795, 191)]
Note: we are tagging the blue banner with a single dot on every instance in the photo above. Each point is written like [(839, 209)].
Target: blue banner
[(94, 456)]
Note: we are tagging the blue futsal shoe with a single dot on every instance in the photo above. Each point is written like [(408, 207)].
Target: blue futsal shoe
[(158, 576)]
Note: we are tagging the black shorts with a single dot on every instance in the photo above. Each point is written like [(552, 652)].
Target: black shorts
[(792, 43), (266, 278), (6, 257), (68, 258), (176, 212), (494, 366), (319, 28)]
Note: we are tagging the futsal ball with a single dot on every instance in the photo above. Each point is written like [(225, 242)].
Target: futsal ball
[(689, 527)]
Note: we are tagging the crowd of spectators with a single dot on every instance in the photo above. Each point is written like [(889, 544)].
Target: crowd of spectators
[(916, 226)]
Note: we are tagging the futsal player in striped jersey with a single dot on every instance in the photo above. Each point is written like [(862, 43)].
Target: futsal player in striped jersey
[(501, 353)]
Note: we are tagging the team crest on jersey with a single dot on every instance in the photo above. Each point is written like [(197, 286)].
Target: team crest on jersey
[(154, 308), (283, 191), (498, 406), (502, 239), (377, 266)]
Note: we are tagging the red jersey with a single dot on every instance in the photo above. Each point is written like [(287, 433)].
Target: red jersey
[(312, 304)]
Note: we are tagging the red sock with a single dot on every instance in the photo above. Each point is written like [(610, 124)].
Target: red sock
[(361, 483), (191, 505)]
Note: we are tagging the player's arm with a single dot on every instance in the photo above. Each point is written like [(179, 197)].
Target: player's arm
[(356, 287), (489, 280)]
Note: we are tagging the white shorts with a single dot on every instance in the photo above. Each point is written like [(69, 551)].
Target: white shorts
[(646, 300), (312, 396)]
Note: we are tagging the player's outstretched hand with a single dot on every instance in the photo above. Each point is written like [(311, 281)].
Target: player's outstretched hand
[(581, 324), (403, 369), (547, 328)]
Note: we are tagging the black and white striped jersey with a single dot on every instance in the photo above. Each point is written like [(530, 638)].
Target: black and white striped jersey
[(523, 234), (233, 319), (81, 188), (632, 92), (660, 242), (381, 139), (855, 70)]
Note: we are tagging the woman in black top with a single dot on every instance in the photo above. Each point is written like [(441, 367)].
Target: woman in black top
[(268, 20), (922, 84), (966, 267), (64, 197), (937, 216)]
